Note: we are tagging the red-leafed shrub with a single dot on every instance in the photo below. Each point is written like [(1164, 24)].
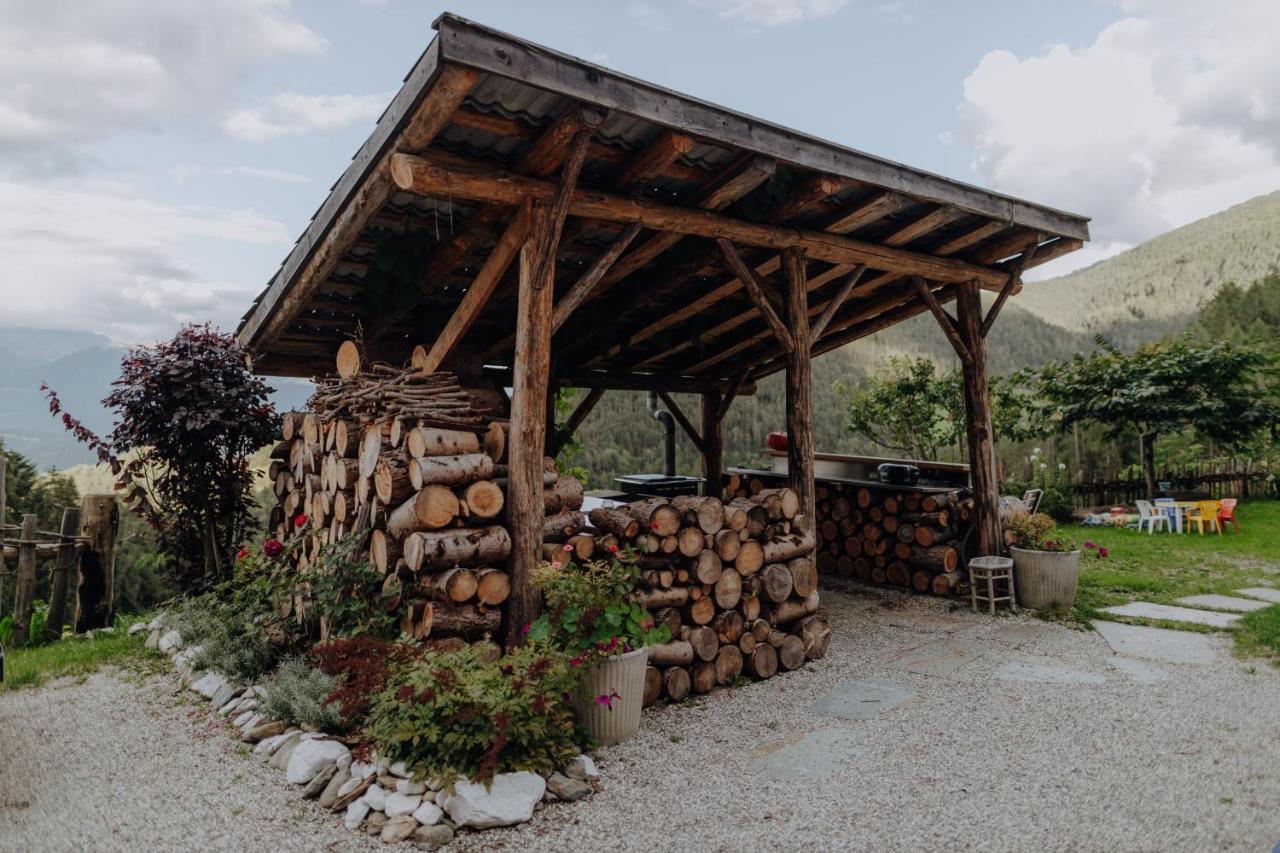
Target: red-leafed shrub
[(363, 666)]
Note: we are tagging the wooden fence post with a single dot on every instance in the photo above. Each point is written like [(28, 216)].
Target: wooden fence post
[(99, 520), (61, 574), (25, 586)]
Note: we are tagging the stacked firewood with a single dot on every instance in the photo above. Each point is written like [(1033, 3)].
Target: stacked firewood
[(735, 583), (903, 539)]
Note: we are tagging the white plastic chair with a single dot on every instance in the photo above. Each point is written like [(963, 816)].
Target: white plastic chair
[(1150, 518), (1169, 507)]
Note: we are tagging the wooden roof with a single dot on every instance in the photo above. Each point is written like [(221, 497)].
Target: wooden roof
[(484, 119)]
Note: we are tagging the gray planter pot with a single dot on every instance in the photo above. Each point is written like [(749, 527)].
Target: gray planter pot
[(1045, 578), (610, 724)]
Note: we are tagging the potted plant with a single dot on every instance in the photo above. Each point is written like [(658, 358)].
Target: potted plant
[(1046, 564), (592, 619)]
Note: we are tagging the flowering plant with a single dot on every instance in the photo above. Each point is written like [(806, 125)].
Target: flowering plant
[(590, 612), (1038, 532)]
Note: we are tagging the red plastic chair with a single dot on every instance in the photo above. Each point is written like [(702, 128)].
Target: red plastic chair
[(1227, 514)]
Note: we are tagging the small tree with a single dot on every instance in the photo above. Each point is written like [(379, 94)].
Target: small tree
[(188, 414), (1220, 390)]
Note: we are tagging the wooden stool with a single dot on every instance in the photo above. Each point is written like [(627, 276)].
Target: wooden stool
[(989, 570)]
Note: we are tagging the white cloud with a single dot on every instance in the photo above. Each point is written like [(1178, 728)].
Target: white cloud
[(647, 15), (182, 174), (1171, 114), (773, 13), (292, 113), (107, 261), (72, 72)]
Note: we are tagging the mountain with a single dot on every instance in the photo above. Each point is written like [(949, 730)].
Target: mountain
[(1157, 287)]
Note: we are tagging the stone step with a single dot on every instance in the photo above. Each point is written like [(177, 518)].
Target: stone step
[(1266, 593), (1159, 644), (1224, 602), (1146, 610)]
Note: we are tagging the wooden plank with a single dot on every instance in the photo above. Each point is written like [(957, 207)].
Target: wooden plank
[(820, 325), (944, 319), (418, 112), (471, 44), (685, 425), (423, 176), (581, 289), (482, 287), (24, 581), (1015, 277), (799, 387), (756, 291)]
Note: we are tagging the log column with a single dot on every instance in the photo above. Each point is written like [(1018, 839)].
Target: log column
[(712, 444), (799, 380), (977, 404), (99, 520)]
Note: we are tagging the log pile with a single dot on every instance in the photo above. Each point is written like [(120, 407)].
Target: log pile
[(910, 539), (409, 464), (735, 583)]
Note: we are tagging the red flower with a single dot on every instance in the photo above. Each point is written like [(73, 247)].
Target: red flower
[(272, 548), (613, 549), (526, 628), (241, 554), (575, 662), (1102, 553), (300, 520), (653, 526)]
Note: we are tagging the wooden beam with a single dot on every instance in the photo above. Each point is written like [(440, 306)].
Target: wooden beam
[(731, 393), (981, 434), (629, 381), (712, 444), (799, 386), (967, 239), (944, 319), (872, 210), (812, 189), (420, 175), (922, 226), (549, 239), (581, 289), (656, 156), (754, 290), (565, 433), (482, 287), (682, 420), (820, 325), (1015, 276), (357, 196)]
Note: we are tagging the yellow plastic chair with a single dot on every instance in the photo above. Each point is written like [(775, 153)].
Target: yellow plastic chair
[(1206, 512)]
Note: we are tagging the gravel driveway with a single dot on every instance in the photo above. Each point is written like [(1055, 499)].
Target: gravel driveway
[(924, 729)]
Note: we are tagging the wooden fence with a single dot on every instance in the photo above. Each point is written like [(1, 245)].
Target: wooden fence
[(1186, 483), (82, 553)]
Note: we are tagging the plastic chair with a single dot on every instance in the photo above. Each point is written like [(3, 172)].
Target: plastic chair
[(1227, 514), (1170, 508), (1150, 518), (1206, 512)]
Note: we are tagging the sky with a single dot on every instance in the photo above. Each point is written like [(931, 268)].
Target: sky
[(158, 159)]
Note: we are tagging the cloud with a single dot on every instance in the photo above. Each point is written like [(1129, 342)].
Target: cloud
[(773, 13), (1171, 114), (292, 113), (70, 73), (647, 15), (94, 256), (185, 173)]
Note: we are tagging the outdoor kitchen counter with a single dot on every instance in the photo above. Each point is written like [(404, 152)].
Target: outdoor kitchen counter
[(922, 488)]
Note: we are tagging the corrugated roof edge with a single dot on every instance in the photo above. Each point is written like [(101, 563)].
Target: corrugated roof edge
[(468, 43)]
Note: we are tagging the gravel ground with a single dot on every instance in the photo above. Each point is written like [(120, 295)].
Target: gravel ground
[(973, 762)]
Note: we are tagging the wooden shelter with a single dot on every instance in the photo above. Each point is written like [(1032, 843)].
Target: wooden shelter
[(538, 221)]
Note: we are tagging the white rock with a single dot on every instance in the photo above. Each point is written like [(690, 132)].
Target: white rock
[(310, 758), (356, 813), (171, 642), (362, 769), (254, 719), (266, 746), (581, 767), (157, 623), (242, 718), (508, 801), (209, 685), (428, 814), (344, 761), (349, 786), (441, 796), (398, 829), (137, 628), (408, 786), (400, 804), (153, 641), (400, 769), (376, 797)]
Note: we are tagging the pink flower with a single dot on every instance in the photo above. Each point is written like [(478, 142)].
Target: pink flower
[(300, 520), (1102, 553), (567, 547), (575, 661), (1088, 544), (607, 699), (526, 628), (242, 553), (272, 548)]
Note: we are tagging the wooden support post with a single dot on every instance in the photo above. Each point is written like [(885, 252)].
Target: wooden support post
[(712, 444), (25, 585), (982, 468), (99, 521), (62, 574), (799, 379)]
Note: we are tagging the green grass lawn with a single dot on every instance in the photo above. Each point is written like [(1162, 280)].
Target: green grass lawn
[(1166, 566), (33, 666)]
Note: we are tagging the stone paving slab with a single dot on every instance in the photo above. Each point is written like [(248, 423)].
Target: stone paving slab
[(1160, 644), (1141, 672), (1030, 632), (1041, 673), (1266, 593), (862, 700), (1224, 602), (1147, 610), (940, 658), (814, 755)]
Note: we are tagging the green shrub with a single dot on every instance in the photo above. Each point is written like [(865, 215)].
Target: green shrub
[(471, 714), (232, 641), (296, 693)]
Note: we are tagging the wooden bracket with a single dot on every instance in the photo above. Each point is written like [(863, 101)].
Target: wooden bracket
[(576, 417), (754, 290), (548, 238), (945, 320), (684, 422), (731, 392), (1015, 275), (820, 325)]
